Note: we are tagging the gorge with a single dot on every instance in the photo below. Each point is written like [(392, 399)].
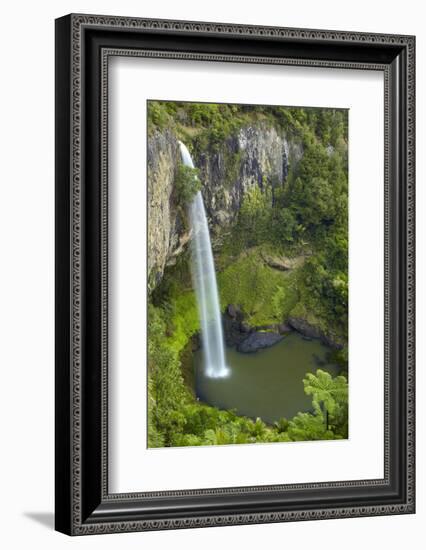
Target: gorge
[(249, 247)]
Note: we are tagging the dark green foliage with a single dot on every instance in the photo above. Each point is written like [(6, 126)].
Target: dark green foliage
[(324, 283), (165, 387), (263, 220), (309, 427), (330, 405), (157, 115), (340, 357), (312, 205), (284, 226), (330, 396), (282, 425), (216, 122), (254, 218), (318, 194), (187, 184)]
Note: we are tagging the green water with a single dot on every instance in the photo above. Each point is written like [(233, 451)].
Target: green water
[(267, 384)]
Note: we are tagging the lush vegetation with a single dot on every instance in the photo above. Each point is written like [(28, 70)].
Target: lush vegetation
[(276, 291), (177, 419), (303, 218), (187, 183)]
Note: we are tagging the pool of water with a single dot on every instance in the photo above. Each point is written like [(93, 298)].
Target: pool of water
[(267, 384)]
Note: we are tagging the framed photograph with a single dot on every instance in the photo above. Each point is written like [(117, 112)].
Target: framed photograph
[(234, 274)]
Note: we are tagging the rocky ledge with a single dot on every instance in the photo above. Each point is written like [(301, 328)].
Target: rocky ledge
[(282, 263), (309, 331), (248, 339), (259, 340)]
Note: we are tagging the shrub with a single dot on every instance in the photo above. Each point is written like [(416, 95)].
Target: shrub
[(187, 184)]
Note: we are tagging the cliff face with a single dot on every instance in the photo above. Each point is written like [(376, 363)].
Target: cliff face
[(252, 157), (163, 221)]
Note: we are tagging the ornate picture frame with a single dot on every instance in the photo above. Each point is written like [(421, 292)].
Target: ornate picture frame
[(84, 45)]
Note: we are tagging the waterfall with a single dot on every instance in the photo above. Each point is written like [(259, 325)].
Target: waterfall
[(204, 279)]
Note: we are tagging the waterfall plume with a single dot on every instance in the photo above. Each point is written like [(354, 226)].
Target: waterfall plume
[(204, 279)]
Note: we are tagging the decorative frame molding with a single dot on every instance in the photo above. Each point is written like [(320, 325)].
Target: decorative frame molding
[(84, 44)]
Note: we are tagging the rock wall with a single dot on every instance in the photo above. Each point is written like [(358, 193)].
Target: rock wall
[(252, 157), (164, 224)]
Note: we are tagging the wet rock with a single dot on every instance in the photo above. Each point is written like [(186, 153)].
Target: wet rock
[(284, 328), (165, 229), (232, 311), (195, 342), (234, 330), (282, 263), (244, 327), (244, 160), (309, 332), (304, 328), (259, 340)]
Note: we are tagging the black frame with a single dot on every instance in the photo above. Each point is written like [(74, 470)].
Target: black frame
[(83, 46)]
